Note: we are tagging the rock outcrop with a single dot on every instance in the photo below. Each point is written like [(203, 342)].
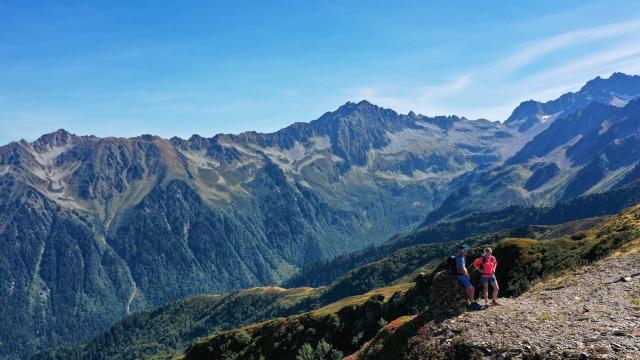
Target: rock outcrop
[(447, 296)]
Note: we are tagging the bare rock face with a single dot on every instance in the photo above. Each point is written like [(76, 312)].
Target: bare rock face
[(447, 296)]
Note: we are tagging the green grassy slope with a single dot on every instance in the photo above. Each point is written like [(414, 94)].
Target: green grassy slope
[(138, 335), (169, 329), (605, 203), (406, 263), (522, 263), (346, 324)]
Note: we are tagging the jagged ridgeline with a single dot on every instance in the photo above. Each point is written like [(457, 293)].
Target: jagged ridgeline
[(93, 229), (585, 142)]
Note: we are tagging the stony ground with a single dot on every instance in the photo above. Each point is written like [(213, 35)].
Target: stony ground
[(588, 314)]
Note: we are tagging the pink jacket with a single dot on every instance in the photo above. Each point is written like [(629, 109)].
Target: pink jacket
[(489, 265)]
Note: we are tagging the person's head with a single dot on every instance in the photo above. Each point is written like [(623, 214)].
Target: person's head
[(462, 250), (487, 251)]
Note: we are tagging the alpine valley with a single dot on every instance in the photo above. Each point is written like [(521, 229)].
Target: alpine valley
[(96, 232)]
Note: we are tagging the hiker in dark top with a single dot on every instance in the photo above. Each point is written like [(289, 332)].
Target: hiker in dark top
[(489, 264), (463, 277)]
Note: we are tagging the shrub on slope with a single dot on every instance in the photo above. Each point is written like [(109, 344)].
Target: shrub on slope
[(346, 325)]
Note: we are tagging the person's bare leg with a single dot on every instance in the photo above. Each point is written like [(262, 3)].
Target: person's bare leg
[(496, 288), (485, 293), (471, 295)]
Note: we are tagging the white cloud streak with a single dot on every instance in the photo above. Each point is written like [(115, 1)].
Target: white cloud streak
[(536, 49), (492, 91)]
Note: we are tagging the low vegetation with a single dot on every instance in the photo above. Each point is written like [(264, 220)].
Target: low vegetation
[(478, 223), (523, 263), (378, 328), (530, 260), (346, 325), (168, 330)]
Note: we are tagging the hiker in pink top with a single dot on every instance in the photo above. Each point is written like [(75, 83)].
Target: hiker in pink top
[(489, 264)]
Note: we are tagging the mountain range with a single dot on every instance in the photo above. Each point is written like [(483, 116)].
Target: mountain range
[(93, 229)]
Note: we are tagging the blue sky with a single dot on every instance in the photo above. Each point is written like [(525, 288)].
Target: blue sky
[(124, 68)]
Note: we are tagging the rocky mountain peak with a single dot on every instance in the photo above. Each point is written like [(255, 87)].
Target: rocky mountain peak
[(617, 90), (524, 109), (350, 107), (60, 137), (619, 83), (147, 137)]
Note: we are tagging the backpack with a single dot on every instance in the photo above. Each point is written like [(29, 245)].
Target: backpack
[(452, 264)]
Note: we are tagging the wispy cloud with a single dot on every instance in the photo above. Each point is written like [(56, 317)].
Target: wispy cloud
[(290, 92), (451, 87), (573, 73), (493, 90), (418, 99), (531, 51)]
